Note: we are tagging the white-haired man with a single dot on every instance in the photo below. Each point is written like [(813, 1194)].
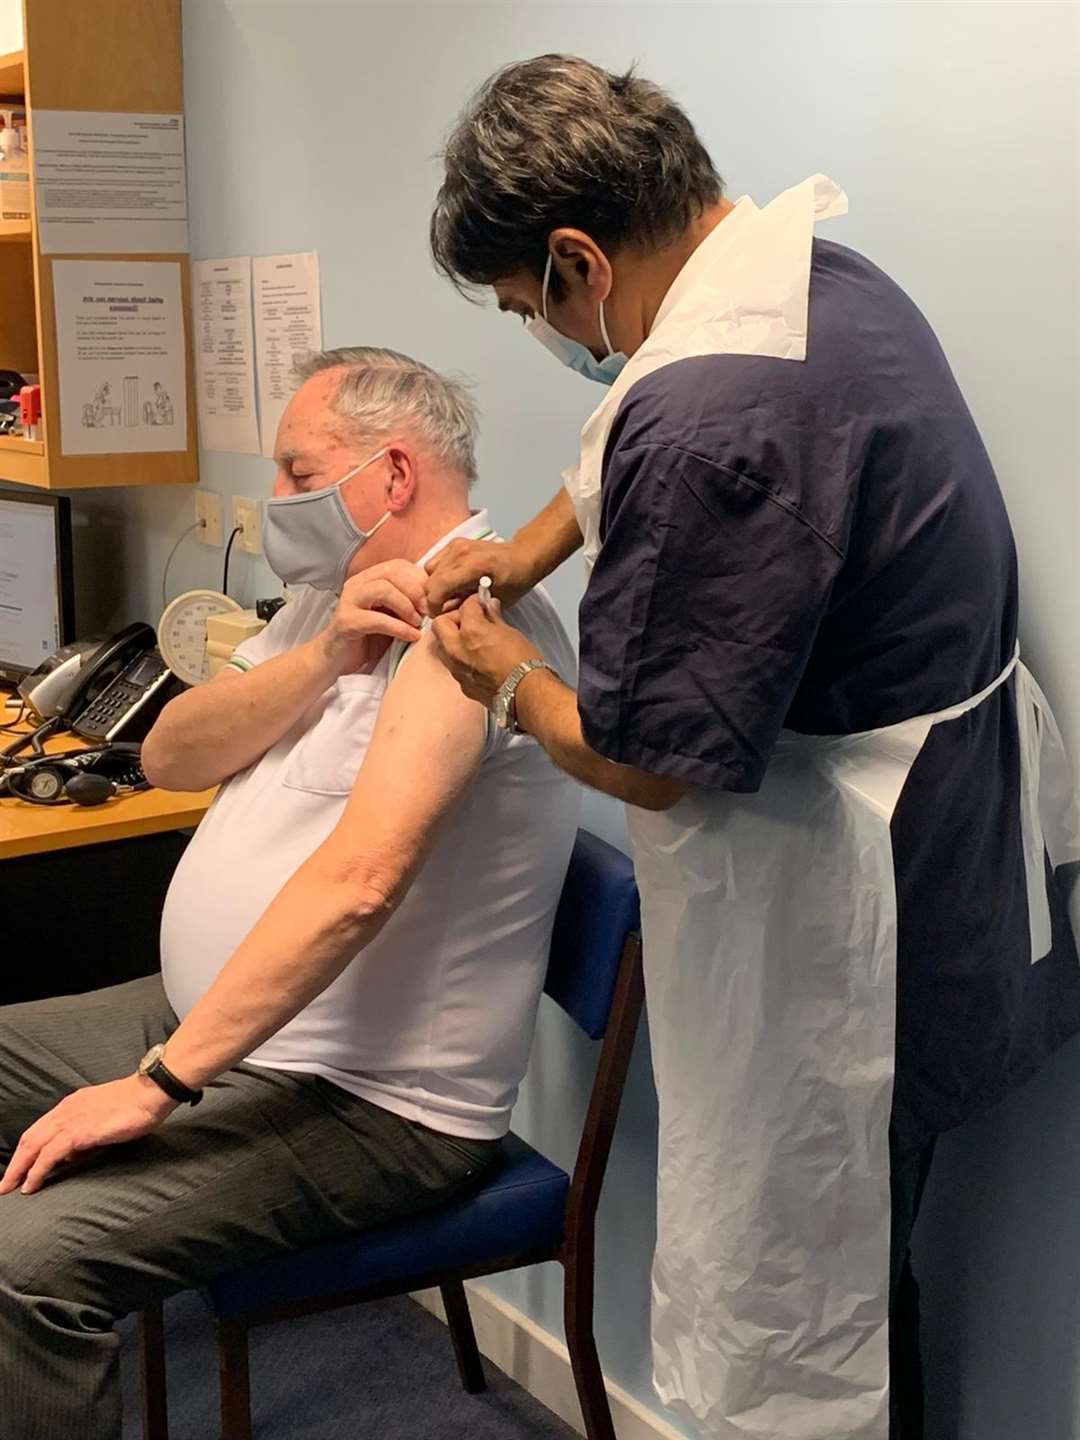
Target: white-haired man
[(353, 946)]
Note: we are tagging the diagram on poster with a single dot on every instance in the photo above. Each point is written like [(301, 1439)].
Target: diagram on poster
[(120, 350), (287, 324)]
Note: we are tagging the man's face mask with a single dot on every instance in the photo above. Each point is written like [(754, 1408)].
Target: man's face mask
[(572, 352), (311, 539)]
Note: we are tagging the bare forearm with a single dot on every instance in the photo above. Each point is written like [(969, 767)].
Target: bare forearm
[(550, 537), (302, 942), (547, 709), (212, 731)]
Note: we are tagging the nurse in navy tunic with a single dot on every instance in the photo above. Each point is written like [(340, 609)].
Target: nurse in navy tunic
[(852, 820)]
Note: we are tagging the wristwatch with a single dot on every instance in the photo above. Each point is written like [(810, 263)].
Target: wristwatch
[(153, 1067), (502, 707)]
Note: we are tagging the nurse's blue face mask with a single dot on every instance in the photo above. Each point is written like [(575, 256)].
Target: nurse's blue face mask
[(572, 352)]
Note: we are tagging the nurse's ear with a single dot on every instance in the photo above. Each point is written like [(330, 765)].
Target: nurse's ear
[(581, 273)]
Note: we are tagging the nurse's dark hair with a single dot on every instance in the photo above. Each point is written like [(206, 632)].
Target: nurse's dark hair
[(558, 141)]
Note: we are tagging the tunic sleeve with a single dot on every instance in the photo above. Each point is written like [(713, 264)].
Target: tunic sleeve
[(699, 617)]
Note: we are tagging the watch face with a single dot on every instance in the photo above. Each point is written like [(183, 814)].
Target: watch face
[(152, 1056)]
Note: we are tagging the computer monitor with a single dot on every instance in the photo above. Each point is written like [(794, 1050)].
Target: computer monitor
[(37, 606)]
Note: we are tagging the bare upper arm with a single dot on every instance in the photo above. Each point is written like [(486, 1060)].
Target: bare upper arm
[(425, 750)]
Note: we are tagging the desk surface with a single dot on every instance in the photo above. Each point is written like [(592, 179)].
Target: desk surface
[(27, 829)]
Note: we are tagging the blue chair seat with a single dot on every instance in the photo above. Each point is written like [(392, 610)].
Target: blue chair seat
[(519, 1206)]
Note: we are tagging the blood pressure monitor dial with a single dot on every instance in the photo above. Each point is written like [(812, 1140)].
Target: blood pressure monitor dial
[(46, 785), (182, 632)]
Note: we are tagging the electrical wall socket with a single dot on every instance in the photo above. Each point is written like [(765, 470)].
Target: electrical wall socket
[(208, 512), (245, 514)]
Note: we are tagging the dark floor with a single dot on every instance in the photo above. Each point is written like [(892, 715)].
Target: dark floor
[(382, 1370)]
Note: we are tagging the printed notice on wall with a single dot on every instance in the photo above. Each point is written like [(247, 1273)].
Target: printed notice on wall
[(224, 355), (109, 181), (287, 324), (120, 348)]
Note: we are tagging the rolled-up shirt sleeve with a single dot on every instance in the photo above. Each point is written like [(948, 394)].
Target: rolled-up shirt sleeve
[(698, 619)]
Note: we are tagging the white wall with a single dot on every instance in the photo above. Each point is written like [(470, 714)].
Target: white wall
[(954, 130)]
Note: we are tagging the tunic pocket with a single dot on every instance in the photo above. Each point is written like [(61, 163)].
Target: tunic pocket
[(328, 758)]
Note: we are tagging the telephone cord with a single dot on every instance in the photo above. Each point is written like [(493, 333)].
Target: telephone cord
[(165, 573)]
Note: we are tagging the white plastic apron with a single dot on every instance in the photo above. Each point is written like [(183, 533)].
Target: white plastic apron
[(769, 925)]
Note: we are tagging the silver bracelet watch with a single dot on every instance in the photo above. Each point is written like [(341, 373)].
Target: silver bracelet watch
[(502, 707)]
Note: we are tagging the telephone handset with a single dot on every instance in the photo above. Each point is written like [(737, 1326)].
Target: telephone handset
[(98, 688)]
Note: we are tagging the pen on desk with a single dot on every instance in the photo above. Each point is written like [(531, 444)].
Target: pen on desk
[(484, 592)]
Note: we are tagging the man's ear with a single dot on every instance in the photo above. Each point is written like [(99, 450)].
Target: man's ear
[(401, 484)]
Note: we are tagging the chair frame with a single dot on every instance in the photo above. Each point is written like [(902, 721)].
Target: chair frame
[(576, 1254)]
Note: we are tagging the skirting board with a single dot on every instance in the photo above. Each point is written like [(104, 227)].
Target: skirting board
[(540, 1364)]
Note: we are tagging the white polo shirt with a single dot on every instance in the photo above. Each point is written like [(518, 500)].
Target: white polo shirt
[(434, 1019)]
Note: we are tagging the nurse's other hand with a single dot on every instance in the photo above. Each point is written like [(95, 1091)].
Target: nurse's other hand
[(479, 648), (389, 599), (455, 573)]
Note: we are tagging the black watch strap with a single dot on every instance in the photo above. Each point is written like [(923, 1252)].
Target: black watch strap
[(176, 1090)]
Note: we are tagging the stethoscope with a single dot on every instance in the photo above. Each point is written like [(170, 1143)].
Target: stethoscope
[(69, 778)]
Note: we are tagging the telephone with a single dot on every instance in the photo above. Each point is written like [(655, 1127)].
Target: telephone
[(100, 688)]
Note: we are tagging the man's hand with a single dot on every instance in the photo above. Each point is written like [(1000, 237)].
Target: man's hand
[(480, 649), (389, 599), (455, 573), (98, 1115)]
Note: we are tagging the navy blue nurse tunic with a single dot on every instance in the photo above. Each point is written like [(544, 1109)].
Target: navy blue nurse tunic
[(823, 547)]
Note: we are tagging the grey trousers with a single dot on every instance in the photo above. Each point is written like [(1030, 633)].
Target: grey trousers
[(267, 1162)]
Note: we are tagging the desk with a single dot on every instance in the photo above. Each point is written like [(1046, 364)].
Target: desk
[(81, 888), (27, 829)]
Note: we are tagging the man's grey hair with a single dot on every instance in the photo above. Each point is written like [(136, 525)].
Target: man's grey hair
[(382, 390)]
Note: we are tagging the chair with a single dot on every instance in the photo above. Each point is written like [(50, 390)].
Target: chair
[(524, 1211)]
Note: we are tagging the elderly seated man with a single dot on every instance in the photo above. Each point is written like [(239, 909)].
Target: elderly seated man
[(353, 946)]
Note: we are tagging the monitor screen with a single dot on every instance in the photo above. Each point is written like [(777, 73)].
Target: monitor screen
[(35, 580)]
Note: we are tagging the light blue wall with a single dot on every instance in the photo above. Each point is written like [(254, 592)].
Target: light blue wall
[(954, 129)]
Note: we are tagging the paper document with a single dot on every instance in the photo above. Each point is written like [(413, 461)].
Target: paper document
[(225, 355), (11, 26), (109, 181), (287, 323), (120, 349)]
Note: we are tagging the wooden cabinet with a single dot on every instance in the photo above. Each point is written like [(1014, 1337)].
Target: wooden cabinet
[(108, 55)]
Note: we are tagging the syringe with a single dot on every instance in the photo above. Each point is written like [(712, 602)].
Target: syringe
[(484, 592)]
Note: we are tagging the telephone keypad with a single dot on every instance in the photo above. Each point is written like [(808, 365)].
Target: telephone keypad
[(110, 707)]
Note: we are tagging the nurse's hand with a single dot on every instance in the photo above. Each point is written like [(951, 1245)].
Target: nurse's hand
[(479, 648), (454, 573)]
